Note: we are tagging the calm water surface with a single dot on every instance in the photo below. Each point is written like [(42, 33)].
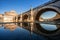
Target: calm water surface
[(21, 33)]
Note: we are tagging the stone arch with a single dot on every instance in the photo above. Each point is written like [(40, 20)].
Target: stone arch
[(38, 14), (25, 17), (44, 9), (19, 17)]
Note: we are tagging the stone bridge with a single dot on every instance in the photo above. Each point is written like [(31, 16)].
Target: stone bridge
[(34, 14)]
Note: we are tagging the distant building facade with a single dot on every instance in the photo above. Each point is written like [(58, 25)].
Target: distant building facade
[(10, 16), (1, 17), (41, 19)]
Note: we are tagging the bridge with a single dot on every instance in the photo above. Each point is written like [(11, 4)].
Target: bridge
[(32, 19), (34, 13), (32, 16)]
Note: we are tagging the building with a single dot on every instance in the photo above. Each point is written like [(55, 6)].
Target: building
[(41, 19), (8, 19), (10, 16), (1, 17)]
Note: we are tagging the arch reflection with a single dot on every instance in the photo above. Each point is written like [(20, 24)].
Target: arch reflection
[(24, 25), (49, 27)]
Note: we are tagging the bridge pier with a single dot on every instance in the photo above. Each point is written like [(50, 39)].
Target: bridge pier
[(32, 15), (21, 18)]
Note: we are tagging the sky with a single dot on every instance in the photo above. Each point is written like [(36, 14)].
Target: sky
[(48, 14), (19, 5)]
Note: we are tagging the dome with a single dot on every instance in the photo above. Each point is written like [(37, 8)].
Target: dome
[(12, 11)]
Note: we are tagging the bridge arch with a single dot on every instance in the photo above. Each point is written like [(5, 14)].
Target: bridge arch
[(19, 17), (39, 13), (25, 17), (45, 9)]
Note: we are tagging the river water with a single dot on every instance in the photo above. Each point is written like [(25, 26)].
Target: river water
[(19, 31)]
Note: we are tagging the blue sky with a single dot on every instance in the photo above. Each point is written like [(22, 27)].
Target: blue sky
[(19, 5), (48, 14)]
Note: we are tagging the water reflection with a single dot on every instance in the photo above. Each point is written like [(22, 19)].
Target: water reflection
[(11, 26), (49, 27), (27, 31), (16, 31)]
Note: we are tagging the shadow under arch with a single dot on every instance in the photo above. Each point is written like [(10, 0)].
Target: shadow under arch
[(19, 17), (25, 17)]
